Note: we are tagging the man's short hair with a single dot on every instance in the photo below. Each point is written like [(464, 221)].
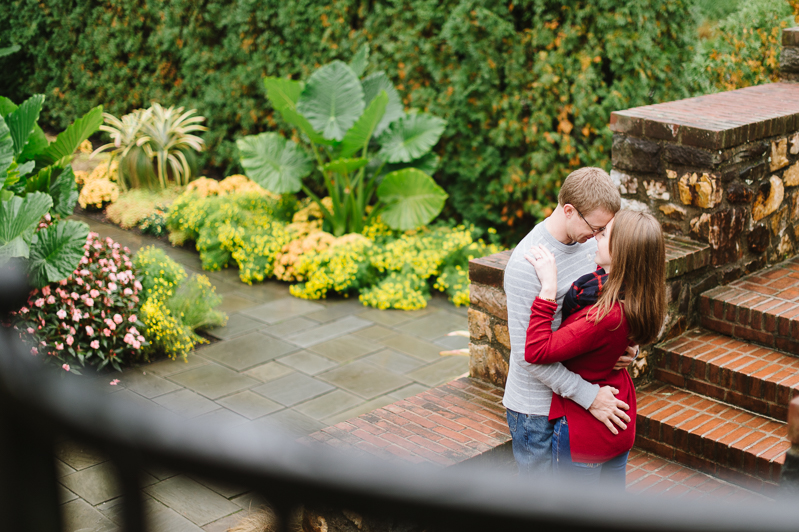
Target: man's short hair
[(588, 189)]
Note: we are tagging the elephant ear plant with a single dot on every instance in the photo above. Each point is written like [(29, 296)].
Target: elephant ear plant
[(36, 180), (363, 142)]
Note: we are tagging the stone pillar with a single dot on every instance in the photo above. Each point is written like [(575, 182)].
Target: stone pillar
[(789, 474), (789, 58), (489, 344)]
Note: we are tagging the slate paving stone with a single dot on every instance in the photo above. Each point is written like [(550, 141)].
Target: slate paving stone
[(290, 327), (248, 351), (328, 404), (346, 348), (307, 362), (269, 371), (213, 381), (375, 332), (186, 403), (130, 397), (237, 325), (393, 361), (415, 347), (408, 391), (377, 402), (452, 342), (64, 495), (233, 303), (265, 292), (79, 516), (78, 455), (192, 500), (330, 330), (99, 483), (225, 287), (444, 370), (389, 318), (157, 517), (250, 501), (292, 389), (282, 309), (435, 325), (146, 384), (226, 523), (159, 471), (62, 469), (250, 404), (338, 309), (221, 420), (364, 379), (291, 423), (225, 489), (167, 367)]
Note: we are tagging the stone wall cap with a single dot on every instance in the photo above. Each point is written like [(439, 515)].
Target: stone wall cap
[(790, 36), (716, 121), (793, 421)]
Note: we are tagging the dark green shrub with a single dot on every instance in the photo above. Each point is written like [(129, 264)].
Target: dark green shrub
[(526, 87)]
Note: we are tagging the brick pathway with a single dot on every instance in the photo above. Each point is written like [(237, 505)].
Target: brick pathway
[(281, 361)]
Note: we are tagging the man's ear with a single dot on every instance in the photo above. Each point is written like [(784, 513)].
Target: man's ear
[(569, 210)]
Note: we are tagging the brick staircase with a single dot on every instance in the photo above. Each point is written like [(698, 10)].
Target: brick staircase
[(719, 403)]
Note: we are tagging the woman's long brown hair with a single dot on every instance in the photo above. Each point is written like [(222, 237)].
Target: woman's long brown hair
[(637, 276)]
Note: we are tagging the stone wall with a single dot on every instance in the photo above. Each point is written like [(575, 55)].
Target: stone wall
[(722, 169)]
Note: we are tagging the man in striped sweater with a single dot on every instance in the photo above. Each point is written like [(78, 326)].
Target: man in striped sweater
[(587, 202)]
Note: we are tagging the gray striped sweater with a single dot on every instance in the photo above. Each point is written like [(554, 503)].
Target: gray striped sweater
[(529, 386)]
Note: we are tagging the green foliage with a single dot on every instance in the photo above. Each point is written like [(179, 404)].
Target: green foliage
[(27, 196), (743, 49), (340, 116), (526, 87)]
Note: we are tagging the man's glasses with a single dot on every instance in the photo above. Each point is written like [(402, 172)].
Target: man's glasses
[(594, 230)]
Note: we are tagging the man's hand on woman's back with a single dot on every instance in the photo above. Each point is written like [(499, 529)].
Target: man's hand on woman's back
[(609, 410)]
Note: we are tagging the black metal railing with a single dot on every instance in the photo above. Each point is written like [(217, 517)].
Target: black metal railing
[(36, 408)]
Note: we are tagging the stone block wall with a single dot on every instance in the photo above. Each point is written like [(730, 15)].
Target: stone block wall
[(722, 169)]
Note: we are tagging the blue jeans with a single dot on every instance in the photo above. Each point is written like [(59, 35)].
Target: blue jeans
[(611, 473), (532, 443)]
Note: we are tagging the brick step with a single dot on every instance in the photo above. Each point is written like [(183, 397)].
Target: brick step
[(713, 437), (684, 255), (762, 307), (746, 375)]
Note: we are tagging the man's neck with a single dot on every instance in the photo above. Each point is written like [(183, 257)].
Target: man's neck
[(556, 225)]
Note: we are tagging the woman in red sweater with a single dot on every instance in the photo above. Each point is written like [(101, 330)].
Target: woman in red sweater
[(621, 304)]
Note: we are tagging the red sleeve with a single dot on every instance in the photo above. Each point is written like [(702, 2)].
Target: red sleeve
[(578, 337)]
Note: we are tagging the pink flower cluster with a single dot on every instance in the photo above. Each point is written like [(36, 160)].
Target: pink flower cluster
[(90, 317)]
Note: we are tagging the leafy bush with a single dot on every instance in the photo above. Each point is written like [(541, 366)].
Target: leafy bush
[(745, 47), (91, 318), (175, 306), (36, 180), (341, 117), (526, 87)]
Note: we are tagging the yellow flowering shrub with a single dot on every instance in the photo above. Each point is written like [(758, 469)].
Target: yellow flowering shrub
[(108, 170), (400, 290), (204, 187), (86, 147), (134, 205), (175, 306), (166, 333), (316, 241), (342, 268), (98, 193), (233, 184), (81, 176)]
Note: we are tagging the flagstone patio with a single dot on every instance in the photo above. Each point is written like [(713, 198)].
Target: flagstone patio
[(280, 362)]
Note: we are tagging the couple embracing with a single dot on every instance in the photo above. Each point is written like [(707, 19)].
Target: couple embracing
[(585, 287)]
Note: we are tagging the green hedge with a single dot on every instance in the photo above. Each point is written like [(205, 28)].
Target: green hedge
[(526, 87)]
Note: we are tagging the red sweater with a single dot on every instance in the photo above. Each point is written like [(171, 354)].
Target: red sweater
[(590, 350)]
